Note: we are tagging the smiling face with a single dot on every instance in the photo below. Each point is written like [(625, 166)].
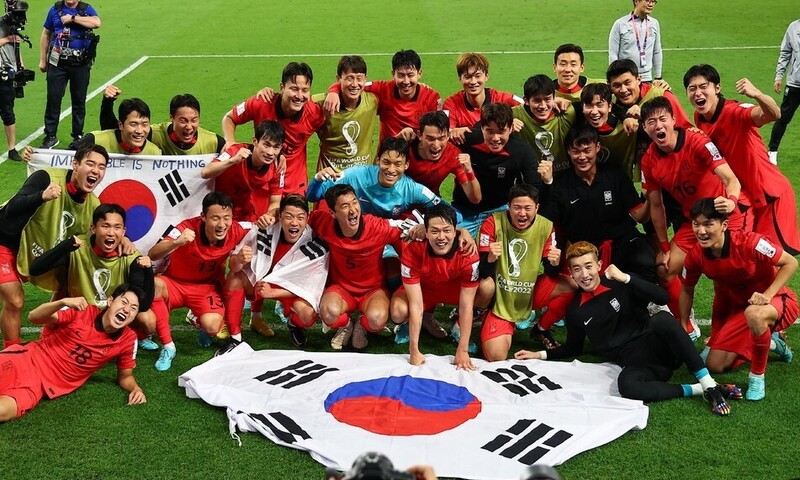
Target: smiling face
[(441, 235), (710, 232), (347, 213), (584, 157), (432, 142), (293, 223), (541, 106), (352, 84), (660, 127), (596, 112), (522, 211), (391, 167), (89, 172), (568, 68), (185, 123), (703, 95), (585, 270), (295, 93), (108, 232), (406, 79), (135, 129), (495, 137), (473, 80), (265, 151), (626, 88), (121, 311), (218, 220), (644, 7)]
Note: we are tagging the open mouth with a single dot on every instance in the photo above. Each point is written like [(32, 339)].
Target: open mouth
[(700, 102), (661, 135), (109, 243), (586, 281), (293, 232), (121, 318), (352, 220), (435, 154), (91, 180)]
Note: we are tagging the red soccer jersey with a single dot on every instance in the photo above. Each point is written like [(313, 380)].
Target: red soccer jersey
[(200, 261), (397, 113), (250, 188), (298, 129), (747, 265), (487, 235), (462, 114), (79, 347), (733, 130), (438, 275), (432, 174), (687, 173), (356, 263)]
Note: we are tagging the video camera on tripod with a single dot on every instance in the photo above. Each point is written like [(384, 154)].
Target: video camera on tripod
[(16, 17)]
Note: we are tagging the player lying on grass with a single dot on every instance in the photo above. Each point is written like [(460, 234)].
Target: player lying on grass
[(611, 311), (751, 301), (87, 338)]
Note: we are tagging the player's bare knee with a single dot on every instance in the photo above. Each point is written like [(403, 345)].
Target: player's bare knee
[(716, 364), (211, 323), (399, 312), (8, 408), (13, 303), (758, 318)]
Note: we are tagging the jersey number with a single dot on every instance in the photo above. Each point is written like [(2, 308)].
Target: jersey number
[(210, 266), (686, 189), (81, 354)]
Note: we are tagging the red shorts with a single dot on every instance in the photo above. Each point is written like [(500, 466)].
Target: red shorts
[(353, 303), (433, 297), (19, 379), (778, 222), (494, 326), (200, 298), (8, 266), (732, 334)]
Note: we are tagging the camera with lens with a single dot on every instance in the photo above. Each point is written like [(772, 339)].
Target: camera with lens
[(372, 466), (21, 79), (16, 15)]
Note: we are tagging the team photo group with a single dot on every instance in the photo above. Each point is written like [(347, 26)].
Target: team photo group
[(588, 207)]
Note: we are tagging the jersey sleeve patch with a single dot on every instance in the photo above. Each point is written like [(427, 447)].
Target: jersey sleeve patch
[(766, 248), (475, 269), (405, 271), (240, 108), (712, 149), (484, 242), (746, 105), (224, 157)]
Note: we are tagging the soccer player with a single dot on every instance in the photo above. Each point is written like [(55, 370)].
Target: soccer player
[(538, 115), (34, 220), (688, 166), (437, 271), (402, 100), (512, 246), (198, 249), (288, 265), (568, 66), (357, 276), (788, 61), (751, 300), (637, 37), (182, 135), (87, 338), (733, 126), (432, 157), (464, 107), (618, 141), (130, 136), (612, 313), (499, 161), (300, 118)]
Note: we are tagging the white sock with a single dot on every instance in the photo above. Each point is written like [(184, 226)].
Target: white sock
[(753, 375), (170, 345), (698, 389), (706, 382), (772, 346), (237, 337)]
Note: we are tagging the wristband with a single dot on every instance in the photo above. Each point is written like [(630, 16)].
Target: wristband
[(543, 354), (73, 19), (664, 246), (470, 175)]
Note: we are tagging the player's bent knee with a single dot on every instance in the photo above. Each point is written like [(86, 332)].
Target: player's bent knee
[(211, 323), (8, 408)]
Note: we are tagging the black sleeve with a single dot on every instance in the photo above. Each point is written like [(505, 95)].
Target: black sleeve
[(108, 121), (550, 208), (29, 196), (57, 256), (87, 139), (143, 278), (473, 137), (619, 111), (485, 269), (576, 335), (220, 144), (528, 165), (631, 199), (551, 270), (647, 290)]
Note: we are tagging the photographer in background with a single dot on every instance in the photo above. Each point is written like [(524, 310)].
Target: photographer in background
[(68, 48), (377, 466), (10, 64)]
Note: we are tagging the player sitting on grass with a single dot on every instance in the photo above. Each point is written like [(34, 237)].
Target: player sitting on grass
[(751, 300), (437, 271), (611, 311), (87, 338)]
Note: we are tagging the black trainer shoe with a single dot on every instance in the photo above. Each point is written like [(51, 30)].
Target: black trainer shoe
[(431, 325), (226, 347), (49, 141), (544, 337), (13, 154), (715, 396), (297, 335)]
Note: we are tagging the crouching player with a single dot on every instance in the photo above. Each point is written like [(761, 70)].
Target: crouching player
[(87, 338), (198, 250), (287, 265), (437, 271), (612, 313), (751, 300)]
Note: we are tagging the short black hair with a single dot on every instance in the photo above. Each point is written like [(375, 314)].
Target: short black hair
[(124, 288), (703, 70), (353, 63), (523, 190), (337, 191), (653, 106), (581, 135), (538, 85), (498, 113), (270, 130), (621, 67), (295, 69), (568, 48), (217, 198), (705, 207), (84, 150), (592, 90), (130, 105), (393, 144), (293, 200), (406, 58), (437, 119), (443, 211), (183, 100), (104, 209)]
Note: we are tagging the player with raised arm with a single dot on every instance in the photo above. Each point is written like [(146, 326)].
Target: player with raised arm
[(752, 303), (87, 338), (611, 311)]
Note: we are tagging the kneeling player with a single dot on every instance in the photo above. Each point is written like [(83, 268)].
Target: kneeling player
[(612, 313), (288, 265), (751, 300), (445, 274), (86, 339)]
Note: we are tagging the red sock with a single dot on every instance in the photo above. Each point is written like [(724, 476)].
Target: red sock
[(758, 365), (365, 323), (556, 309), (294, 319), (673, 288), (8, 343), (159, 308), (256, 306), (342, 321), (234, 305)]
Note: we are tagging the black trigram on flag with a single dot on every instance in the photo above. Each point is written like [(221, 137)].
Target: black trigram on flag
[(264, 242), (527, 441), (283, 427), (520, 380), (315, 248), (173, 187), (296, 374)]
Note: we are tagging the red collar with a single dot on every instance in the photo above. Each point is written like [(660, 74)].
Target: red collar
[(575, 89), (129, 148), (100, 253), (178, 141), (605, 128), (586, 296)]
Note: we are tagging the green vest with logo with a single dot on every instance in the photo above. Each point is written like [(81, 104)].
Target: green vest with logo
[(95, 278), (559, 126), (345, 139), (206, 141)]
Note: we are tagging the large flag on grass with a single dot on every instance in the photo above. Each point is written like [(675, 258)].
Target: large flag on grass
[(487, 424)]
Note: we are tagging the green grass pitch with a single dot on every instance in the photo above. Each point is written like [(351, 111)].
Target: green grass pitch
[(223, 52)]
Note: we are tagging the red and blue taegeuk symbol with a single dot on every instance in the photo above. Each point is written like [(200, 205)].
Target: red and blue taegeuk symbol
[(403, 405), (138, 202)]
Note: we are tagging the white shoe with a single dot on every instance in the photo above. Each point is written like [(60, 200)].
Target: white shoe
[(342, 337), (695, 333), (773, 158)]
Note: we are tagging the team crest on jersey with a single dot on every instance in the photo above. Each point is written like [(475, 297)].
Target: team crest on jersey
[(607, 197), (766, 248), (484, 241), (501, 172), (712, 149), (474, 276), (395, 211), (240, 108), (224, 156), (614, 304), (405, 271)]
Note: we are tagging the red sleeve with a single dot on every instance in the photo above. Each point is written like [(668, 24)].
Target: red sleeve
[(389, 233), (507, 98), (486, 234), (451, 153), (469, 271), (237, 232), (681, 119), (127, 355), (410, 261), (229, 152), (709, 153), (433, 100), (449, 107), (550, 243), (176, 232), (379, 88), (741, 115), (764, 250), (316, 217), (66, 315), (246, 111), (691, 271)]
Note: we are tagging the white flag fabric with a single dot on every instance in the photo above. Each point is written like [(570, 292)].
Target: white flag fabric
[(487, 424), (157, 192)]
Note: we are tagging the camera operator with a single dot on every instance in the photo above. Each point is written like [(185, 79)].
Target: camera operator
[(9, 65), (68, 48)]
